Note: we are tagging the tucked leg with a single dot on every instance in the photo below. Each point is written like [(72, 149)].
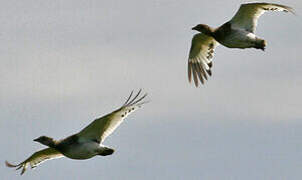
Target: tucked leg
[(260, 44), (105, 151)]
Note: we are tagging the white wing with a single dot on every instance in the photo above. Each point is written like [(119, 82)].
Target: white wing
[(36, 158), (200, 57), (248, 14), (101, 128)]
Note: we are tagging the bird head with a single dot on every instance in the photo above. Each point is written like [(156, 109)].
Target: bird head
[(46, 141), (203, 28)]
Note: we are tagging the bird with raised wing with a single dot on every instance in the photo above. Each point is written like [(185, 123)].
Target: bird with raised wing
[(88, 142), (239, 32)]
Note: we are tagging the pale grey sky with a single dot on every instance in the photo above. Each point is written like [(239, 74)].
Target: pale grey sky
[(64, 63)]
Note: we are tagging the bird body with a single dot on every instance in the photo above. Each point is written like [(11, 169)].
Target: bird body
[(79, 148), (84, 150), (235, 38), (88, 142), (239, 32)]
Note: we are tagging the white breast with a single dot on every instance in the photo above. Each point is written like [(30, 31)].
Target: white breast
[(239, 39)]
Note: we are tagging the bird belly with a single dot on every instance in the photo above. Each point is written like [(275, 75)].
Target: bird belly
[(239, 39), (82, 151)]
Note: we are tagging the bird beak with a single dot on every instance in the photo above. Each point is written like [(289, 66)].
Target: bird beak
[(36, 139), (193, 28)]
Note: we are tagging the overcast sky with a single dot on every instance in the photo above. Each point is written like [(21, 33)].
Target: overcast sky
[(65, 63)]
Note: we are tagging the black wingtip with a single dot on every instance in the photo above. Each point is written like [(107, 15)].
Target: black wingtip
[(135, 99), (209, 72), (10, 165), (128, 98), (19, 166), (190, 72)]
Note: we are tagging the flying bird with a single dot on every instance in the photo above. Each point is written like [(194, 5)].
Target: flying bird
[(239, 32), (88, 142)]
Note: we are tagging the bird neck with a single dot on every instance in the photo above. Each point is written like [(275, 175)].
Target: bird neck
[(209, 31), (52, 143), (222, 32)]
